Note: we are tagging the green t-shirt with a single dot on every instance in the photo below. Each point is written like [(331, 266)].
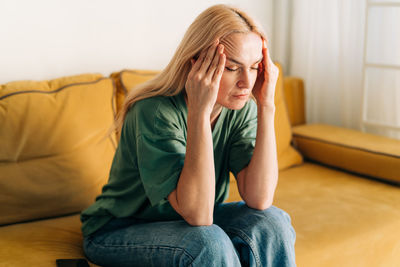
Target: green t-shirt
[(150, 156)]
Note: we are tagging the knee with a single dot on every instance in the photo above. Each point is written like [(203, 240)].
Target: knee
[(210, 244), (281, 221), (208, 239), (273, 223), (271, 236), (279, 225)]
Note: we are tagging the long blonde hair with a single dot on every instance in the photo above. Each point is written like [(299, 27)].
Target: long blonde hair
[(216, 22)]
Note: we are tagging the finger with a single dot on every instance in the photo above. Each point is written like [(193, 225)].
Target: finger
[(209, 57), (269, 58), (267, 62), (260, 67), (192, 64), (199, 61), (265, 52), (214, 63), (265, 42), (267, 55), (220, 69)]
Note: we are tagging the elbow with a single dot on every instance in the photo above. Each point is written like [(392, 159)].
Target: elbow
[(260, 205), (199, 223), (199, 220)]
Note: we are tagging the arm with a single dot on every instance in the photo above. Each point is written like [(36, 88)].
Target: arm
[(257, 182), (194, 196)]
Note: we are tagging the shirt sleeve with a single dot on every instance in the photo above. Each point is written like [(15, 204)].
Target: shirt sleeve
[(160, 162), (160, 148), (243, 138)]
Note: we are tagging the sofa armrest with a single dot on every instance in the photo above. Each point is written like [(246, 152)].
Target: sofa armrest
[(294, 98), (351, 150)]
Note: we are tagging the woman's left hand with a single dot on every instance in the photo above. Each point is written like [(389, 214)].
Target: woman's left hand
[(264, 87)]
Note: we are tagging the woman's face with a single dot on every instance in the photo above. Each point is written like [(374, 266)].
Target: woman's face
[(243, 54)]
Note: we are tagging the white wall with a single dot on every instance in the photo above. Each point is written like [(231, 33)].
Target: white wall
[(46, 39)]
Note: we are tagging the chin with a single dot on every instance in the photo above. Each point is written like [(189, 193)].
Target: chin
[(235, 105)]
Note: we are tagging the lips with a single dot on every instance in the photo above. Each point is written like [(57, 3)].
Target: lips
[(241, 96)]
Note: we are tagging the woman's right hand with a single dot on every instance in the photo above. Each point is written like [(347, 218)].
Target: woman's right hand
[(204, 78), (194, 195)]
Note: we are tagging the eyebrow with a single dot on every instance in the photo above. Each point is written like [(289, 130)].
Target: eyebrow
[(239, 63)]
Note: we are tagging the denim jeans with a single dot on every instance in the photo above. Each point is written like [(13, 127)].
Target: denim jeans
[(239, 236)]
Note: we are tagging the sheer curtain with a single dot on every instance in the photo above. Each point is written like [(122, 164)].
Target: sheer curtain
[(382, 74), (323, 43)]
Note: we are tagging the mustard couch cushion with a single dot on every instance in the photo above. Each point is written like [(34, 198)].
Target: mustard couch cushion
[(59, 238), (41, 242), (363, 153), (287, 155), (340, 219), (127, 79), (54, 153), (295, 100)]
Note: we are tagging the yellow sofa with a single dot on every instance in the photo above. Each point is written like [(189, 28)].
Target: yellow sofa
[(340, 186)]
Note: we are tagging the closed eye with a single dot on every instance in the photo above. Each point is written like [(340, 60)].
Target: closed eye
[(236, 69), (231, 69)]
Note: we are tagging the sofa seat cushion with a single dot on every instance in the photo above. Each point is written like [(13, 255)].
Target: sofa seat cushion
[(340, 219), (367, 154), (40, 243)]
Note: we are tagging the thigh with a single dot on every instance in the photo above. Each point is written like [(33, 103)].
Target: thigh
[(168, 243)]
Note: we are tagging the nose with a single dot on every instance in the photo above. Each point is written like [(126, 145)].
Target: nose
[(244, 80)]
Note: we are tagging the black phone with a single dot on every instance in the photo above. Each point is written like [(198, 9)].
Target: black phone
[(72, 263)]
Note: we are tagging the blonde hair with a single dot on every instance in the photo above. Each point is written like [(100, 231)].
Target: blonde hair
[(216, 22)]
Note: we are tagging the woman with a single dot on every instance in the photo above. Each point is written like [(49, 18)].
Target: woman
[(181, 134)]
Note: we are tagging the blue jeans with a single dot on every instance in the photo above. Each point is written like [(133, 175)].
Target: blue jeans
[(239, 236)]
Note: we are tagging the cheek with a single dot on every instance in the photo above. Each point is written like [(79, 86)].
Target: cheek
[(228, 81), (224, 87), (254, 77)]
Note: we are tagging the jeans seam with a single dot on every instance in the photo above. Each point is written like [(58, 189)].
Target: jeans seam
[(147, 246), (249, 241)]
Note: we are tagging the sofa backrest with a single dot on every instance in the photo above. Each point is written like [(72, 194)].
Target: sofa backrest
[(54, 152), (295, 100)]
